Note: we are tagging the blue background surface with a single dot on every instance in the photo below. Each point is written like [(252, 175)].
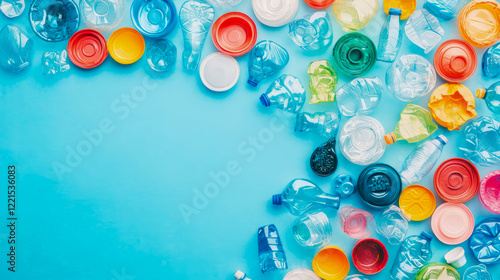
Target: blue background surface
[(114, 212)]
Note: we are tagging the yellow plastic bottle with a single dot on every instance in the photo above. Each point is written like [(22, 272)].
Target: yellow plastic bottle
[(479, 23), (354, 14), (407, 7)]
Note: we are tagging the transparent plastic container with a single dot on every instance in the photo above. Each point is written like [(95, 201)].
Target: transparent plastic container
[(393, 225), (356, 223), (413, 254), (271, 254), (359, 97), (161, 55), (266, 59), (55, 62), (491, 96), (54, 20), (313, 32), (354, 15), (491, 62), (312, 229), (391, 37), (285, 93), (16, 49), (481, 141), (102, 15), (325, 124), (423, 29)]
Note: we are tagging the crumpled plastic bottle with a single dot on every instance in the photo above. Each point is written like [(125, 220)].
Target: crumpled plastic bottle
[(423, 29), (445, 9), (491, 62), (12, 8), (324, 124), (271, 254), (313, 32), (437, 271), (412, 255), (354, 15), (324, 159), (485, 241), (415, 125), (391, 37), (481, 141), (16, 49), (266, 59), (286, 93), (393, 225), (322, 81), (55, 62), (359, 97), (491, 96), (102, 14), (54, 20)]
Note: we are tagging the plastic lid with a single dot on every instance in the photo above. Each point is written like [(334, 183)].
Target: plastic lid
[(452, 223), (318, 4), (369, 256), (301, 274), (426, 235), (239, 274), (234, 34), (456, 257), (275, 13), (479, 272), (126, 45), (379, 185), (488, 191), (331, 263), (479, 23), (354, 54), (417, 203), (481, 93), (219, 72), (456, 180), (394, 11), (87, 48), (154, 19), (355, 225), (390, 138), (455, 60)]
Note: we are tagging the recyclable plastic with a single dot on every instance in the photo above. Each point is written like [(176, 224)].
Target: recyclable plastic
[(275, 14), (379, 185), (360, 96), (312, 229), (452, 223), (301, 274), (415, 125), (266, 59), (271, 254), (102, 15), (437, 271), (417, 202), (354, 54), (410, 77), (356, 223), (154, 18), (479, 23), (219, 72), (161, 55), (456, 257), (319, 4), (391, 37), (356, 277), (126, 45), (455, 61), (393, 225), (322, 81), (239, 275), (413, 254), (369, 256), (54, 20), (79, 45), (324, 159), (55, 62), (491, 96), (324, 124), (195, 18), (488, 192), (285, 93), (343, 185), (451, 105), (361, 140), (491, 62), (234, 34), (423, 29), (422, 159), (12, 8), (331, 263), (485, 241), (477, 272), (407, 7), (16, 49), (313, 32), (456, 180), (224, 3), (302, 195), (354, 15), (480, 141), (445, 9)]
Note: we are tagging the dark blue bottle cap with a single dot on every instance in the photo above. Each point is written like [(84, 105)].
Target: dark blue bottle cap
[(394, 11), (277, 199), (379, 185), (426, 235), (252, 83), (264, 99)]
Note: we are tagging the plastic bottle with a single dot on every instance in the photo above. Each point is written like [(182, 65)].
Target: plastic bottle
[(322, 81), (12, 8), (477, 272), (484, 242), (55, 62), (154, 18), (491, 96), (266, 59), (481, 141), (324, 159), (415, 125), (354, 54), (286, 93), (491, 62), (239, 275), (54, 20), (361, 140), (354, 14), (313, 32), (312, 229), (302, 195), (393, 225), (325, 124), (343, 185), (423, 29), (413, 254), (161, 55), (271, 254), (359, 97), (277, 13), (16, 49), (410, 77), (224, 3), (102, 15), (422, 159), (391, 37), (445, 9), (479, 23)]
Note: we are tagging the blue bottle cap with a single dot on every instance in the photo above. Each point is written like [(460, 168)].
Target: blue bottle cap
[(379, 185), (394, 11), (426, 235), (264, 99), (277, 199)]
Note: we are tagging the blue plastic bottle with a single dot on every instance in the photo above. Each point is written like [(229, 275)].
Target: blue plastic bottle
[(266, 59), (302, 195), (271, 254), (54, 20), (343, 185), (239, 275), (413, 254), (313, 32), (423, 29), (286, 93), (485, 241), (360, 96), (491, 96), (491, 62), (445, 9), (16, 49), (154, 18), (325, 124), (481, 141), (391, 37)]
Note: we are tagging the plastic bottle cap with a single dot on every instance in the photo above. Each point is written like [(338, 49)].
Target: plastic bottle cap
[(455, 60), (488, 191), (219, 72), (369, 256), (87, 48), (355, 225), (456, 180), (331, 263), (394, 11), (390, 138), (275, 13), (479, 23), (379, 185), (442, 138), (239, 274), (318, 4), (417, 203), (452, 223), (481, 93), (126, 45), (426, 235), (456, 257), (354, 54), (234, 34), (407, 7)]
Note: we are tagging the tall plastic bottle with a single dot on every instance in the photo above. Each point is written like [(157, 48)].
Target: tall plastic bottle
[(491, 96), (421, 160), (240, 275), (286, 93), (413, 254), (302, 195), (391, 37), (267, 58), (271, 254)]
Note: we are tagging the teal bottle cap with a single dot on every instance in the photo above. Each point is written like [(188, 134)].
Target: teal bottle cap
[(354, 54), (379, 185)]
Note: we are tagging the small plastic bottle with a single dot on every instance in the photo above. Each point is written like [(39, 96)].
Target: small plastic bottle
[(491, 62), (325, 124), (413, 254), (286, 93), (324, 159), (391, 37), (359, 97), (491, 96), (266, 59), (393, 225), (354, 14), (445, 9), (239, 275), (422, 159), (271, 254), (415, 125), (423, 29)]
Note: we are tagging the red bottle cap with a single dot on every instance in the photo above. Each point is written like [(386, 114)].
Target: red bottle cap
[(234, 34), (87, 48), (369, 256), (455, 60), (456, 180), (319, 4)]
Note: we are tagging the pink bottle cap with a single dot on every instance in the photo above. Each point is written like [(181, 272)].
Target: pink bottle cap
[(369, 256), (355, 225), (456, 180), (489, 191), (234, 34), (452, 223), (455, 61)]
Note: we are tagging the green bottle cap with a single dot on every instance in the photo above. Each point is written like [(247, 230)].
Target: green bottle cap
[(354, 54)]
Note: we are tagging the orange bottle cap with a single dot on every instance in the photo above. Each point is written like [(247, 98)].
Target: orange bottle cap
[(331, 263), (479, 23), (390, 138)]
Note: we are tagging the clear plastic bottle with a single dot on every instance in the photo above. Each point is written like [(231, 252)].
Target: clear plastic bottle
[(391, 37), (359, 97), (325, 124), (422, 159), (491, 62), (354, 14), (312, 229), (271, 254), (445, 9), (16, 49), (491, 96), (54, 20), (239, 275), (302, 195), (423, 29), (55, 62), (224, 3), (286, 93), (12, 8), (481, 141), (393, 225), (102, 14), (413, 254), (266, 59), (313, 32)]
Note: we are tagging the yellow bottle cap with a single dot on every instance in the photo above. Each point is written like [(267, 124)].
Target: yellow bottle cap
[(390, 138), (331, 263), (480, 93), (417, 202), (126, 45), (407, 7)]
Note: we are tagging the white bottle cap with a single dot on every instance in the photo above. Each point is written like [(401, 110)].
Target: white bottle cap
[(456, 257), (219, 72), (443, 138), (239, 275), (275, 13)]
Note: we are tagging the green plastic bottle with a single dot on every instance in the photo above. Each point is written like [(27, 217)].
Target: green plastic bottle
[(322, 81), (354, 54), (415, 125)]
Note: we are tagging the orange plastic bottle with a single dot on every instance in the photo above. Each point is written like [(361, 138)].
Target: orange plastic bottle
[(479, 23)]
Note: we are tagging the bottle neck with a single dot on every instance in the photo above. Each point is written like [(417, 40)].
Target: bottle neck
[(329, 200)]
